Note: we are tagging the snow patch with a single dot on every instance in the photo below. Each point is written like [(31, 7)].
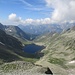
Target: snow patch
[(71, 62), (2, 43), (10, 30), (43, 37)]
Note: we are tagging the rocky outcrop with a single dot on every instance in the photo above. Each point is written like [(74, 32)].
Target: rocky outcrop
[(48, 71), (23, 68)]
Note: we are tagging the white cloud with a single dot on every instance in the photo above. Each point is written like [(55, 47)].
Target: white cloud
[(36, 21), (27, 21), (13, 17), (64, 10)]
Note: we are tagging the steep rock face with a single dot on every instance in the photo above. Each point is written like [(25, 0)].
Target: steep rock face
[(49, 71), (10, 47), (9, 40), (2, 27), (16, 32), (23, 68)]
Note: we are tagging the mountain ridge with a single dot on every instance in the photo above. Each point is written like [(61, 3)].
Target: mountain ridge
[(16, 32), (40, 29)]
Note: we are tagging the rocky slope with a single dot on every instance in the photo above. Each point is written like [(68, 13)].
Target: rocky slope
[(9, 47), (59, 52), (17, 33), (59, 56), (22, 68)]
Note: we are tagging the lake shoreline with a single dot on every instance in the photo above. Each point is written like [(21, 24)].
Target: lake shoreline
[(33, 48)]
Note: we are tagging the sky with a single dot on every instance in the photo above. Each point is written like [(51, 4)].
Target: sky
[(36, 11)]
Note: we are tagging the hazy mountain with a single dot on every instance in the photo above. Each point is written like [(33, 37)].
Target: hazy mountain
[(67, 25), (72, 28), (17, 32), (40, 29)]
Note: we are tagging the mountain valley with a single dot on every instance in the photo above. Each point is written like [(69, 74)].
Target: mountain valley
[(37, 37), (58, 53)]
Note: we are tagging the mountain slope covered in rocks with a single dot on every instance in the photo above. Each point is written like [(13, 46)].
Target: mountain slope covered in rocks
[(59, 52)]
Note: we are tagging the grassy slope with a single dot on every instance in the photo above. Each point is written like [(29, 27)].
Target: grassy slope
[(11, 54), (7, 54), (60, 50)]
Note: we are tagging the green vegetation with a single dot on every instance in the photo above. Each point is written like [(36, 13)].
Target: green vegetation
[(64, 53), (32, 60), (46, 52), (59, 61), (1, 61), (16, 65), (8, 67), (73, 58)]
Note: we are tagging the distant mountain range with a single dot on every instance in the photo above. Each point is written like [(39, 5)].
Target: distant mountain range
[(40, 29), (67, 25)]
